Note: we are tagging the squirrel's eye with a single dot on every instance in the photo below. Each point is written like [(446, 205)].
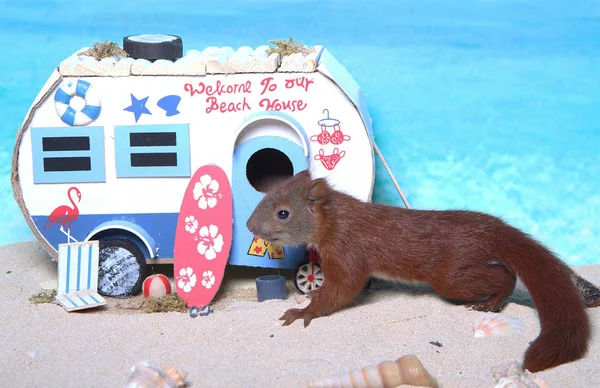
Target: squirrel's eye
[(283, 214)]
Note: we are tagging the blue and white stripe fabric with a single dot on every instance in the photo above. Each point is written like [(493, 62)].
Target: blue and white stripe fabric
[(80, 300), (78, 276), (71, 113)]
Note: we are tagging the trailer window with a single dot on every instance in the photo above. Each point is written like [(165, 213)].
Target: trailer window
[(152, 150), (68, 155)]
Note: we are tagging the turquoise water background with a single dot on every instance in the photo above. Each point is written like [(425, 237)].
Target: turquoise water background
[(484, 105)]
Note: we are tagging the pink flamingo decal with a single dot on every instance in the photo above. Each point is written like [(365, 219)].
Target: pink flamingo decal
[(65, 215)]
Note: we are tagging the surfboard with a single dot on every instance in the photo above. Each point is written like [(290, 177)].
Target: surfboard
[(203, 236)]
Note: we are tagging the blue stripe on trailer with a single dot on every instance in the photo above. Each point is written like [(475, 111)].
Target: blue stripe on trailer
[(82, 87), (94, 298), (69, 116), (89, 277), (91, 111), (158, 229), (62, 97), (83, 300), (78, 268), (67, 288)]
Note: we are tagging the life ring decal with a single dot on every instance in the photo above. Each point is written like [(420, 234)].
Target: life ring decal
[(71, 112)]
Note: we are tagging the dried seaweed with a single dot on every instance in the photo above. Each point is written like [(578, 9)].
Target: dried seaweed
[(169, 303), (285, 47), (104, 50), (44, 296)]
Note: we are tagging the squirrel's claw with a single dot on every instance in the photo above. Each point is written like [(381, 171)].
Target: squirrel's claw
[(307, 318), (292, 314)]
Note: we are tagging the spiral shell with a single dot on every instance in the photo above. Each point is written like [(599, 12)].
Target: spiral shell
[(407, 370), (497, 325), (145, 376)]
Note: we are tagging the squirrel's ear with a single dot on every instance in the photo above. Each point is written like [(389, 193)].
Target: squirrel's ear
[(318, 190), (304, 175)]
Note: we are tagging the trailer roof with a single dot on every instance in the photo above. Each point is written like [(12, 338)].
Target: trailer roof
[(211, 60), (222, 60)]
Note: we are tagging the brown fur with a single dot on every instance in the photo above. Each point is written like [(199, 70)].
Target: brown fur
[(463, 255)]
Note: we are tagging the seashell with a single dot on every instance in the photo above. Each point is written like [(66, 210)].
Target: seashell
[(407, 370), (492, 324), (515, 382), (512, 375), (145, 376)]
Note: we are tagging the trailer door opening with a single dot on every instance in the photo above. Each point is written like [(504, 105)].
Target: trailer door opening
[(267, 167)]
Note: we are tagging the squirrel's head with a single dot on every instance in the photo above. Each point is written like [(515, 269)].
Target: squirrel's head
[(290, 212)]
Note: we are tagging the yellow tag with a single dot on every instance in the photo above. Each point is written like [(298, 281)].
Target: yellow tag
[(260, 247)]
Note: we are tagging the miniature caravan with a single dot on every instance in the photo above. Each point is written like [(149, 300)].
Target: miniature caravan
[(110, 148)]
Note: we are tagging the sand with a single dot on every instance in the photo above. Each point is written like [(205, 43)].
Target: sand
[(242, 344)]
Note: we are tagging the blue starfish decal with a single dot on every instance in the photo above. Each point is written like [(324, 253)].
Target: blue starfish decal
[(138, 107)]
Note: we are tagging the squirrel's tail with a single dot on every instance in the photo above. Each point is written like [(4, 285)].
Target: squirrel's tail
[(565, 327)]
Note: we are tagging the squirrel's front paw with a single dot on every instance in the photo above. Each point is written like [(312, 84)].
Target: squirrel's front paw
[(292, 314)]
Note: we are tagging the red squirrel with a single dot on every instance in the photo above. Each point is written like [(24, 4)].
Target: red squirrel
[(463, 255)]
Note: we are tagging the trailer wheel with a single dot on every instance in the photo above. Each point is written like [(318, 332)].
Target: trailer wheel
[(122, 268), (308, 277), (153, 46)]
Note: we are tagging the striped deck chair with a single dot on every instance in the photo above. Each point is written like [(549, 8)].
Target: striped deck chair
[(78, 276)]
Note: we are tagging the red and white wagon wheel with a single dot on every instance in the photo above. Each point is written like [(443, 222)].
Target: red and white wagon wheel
[(309, 277)]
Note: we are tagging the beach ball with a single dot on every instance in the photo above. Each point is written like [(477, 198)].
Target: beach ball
[(156, 286)]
